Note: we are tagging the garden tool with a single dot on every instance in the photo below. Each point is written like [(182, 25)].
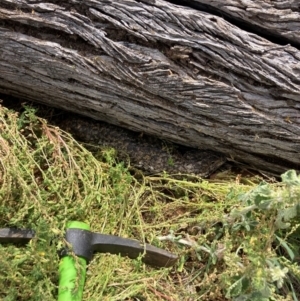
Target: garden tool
[(83, 243)]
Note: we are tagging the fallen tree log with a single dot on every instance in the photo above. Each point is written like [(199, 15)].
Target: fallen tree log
[(155, 67), (278, 20)]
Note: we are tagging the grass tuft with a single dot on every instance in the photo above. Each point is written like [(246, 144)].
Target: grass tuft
[(237, 238)]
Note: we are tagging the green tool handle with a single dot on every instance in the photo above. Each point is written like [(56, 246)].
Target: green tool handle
[(72, 272)]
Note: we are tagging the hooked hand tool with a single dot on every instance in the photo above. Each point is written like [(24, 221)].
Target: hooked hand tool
[(83, 244)]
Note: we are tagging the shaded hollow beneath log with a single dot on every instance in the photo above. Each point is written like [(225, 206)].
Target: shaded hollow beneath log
[(147, 153)]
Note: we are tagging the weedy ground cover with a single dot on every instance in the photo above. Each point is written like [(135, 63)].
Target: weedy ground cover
[(237, 238)]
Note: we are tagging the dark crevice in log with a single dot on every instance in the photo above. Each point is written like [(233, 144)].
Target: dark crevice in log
[(10, 6), (279, 161), (69, 41), (251, 28)]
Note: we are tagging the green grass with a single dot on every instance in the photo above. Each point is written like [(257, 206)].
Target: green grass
[(236, 239)]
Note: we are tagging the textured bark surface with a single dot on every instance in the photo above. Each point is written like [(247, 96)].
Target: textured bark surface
[(277, 18), (152, 66)]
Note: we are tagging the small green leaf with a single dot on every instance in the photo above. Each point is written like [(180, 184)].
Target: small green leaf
[(235, 289), (290, 177), (287, 248)]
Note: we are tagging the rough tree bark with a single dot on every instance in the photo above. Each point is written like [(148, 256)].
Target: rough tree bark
[(277, 19), (180, 73)]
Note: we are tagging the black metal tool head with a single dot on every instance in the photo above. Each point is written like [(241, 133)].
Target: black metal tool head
[(84, 243), (12, 235)]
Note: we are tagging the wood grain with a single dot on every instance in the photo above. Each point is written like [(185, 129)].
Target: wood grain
[(278, 18)]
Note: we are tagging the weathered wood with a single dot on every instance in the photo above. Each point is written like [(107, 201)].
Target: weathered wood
[(166, 70), (276, 18)]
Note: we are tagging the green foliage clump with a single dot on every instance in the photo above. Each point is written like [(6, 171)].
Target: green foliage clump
[(255, 248), (266, 231), (46, 180), (237, 238)]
